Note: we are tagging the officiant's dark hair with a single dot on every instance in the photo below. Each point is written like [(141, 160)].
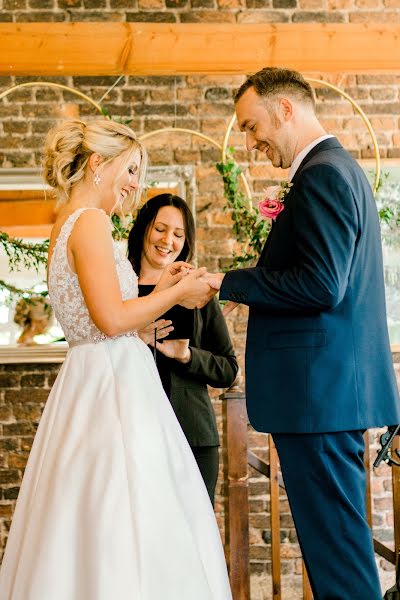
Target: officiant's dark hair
[(145, 219), (272, 81)]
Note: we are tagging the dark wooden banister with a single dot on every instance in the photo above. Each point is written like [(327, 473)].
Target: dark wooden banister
[(262, 467), (237, 510)]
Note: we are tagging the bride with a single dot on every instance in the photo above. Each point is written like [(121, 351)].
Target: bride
[(112, 505)]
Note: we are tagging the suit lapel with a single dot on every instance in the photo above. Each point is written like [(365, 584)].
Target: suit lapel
[(328, 144)]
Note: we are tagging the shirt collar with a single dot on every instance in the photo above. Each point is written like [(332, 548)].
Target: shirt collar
[(301, 155)]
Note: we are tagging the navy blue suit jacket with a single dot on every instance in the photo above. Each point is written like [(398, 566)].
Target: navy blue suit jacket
[(318, 356)]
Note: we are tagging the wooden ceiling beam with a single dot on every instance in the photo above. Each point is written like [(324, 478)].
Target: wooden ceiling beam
[(48, 49)]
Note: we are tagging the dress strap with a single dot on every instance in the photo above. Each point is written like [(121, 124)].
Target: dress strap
[(69, 223), (60, 246)]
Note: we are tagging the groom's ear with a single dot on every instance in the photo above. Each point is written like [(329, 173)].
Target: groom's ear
[(286, 109)]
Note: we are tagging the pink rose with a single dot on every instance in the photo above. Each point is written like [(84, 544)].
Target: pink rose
[(270, 208)]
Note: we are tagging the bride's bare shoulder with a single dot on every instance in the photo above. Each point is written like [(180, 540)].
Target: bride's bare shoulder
[(92, 227), (89, 223)]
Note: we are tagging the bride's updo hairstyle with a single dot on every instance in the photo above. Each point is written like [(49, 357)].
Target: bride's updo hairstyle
[(70, 144)]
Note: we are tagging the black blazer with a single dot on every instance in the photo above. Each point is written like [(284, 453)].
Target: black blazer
[(213, 363), (318, 357)]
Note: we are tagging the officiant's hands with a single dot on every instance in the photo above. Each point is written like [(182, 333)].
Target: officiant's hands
[(163, 328), (176, 349)]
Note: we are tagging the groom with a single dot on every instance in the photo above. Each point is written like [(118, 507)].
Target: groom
[(318, 363)]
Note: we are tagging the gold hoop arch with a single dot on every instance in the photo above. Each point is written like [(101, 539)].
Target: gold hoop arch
[(202, 136), (99, 109), (53, 85), (354, 105)]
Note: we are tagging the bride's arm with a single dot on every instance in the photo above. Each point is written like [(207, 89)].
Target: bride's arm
[(91, 247)]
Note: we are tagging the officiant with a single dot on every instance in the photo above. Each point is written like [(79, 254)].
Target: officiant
[(196, 349)]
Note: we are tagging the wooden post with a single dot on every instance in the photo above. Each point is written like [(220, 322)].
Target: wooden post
[(237, 521), (307, 592), (396, 501), (275, 521), (367, 464)]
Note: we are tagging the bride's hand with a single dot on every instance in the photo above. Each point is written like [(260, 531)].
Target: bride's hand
[(177, 349), (172, 274), (163, 327), (194, 292)]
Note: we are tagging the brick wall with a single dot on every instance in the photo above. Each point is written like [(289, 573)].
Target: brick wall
[(194, 11), (23, 394)]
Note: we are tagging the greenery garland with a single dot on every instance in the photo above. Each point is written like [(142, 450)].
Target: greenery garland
[(388, 203), (251, 231), (15, 292), (24, 253)]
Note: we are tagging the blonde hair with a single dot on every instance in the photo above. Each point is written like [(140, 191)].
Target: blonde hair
[(70, 144)]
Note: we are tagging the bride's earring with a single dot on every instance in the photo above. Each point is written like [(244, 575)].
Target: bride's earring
[(96, 179)]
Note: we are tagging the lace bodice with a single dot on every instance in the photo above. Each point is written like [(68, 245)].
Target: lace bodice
[(65, 293)]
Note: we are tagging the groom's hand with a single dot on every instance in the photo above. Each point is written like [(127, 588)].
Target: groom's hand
[(214, 280)]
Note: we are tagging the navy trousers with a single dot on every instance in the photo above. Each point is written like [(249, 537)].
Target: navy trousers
[(325, 481)]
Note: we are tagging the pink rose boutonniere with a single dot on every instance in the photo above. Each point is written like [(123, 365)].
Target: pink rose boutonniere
[(272, 205)]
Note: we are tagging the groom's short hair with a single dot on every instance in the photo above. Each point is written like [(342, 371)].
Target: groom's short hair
[(274, 81)]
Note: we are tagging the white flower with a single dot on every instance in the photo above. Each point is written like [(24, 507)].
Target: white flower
[(278, 192)]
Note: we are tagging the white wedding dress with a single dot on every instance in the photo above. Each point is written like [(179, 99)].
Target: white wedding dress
[(112, 505)]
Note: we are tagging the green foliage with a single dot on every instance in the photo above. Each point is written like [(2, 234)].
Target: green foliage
[(388, 215), (24, 253), (106, 113), (250, 230), (387, 197), (122, 226), (15, 293)]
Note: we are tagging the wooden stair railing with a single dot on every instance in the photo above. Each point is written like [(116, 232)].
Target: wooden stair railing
[(237, 510), (275, 521)]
